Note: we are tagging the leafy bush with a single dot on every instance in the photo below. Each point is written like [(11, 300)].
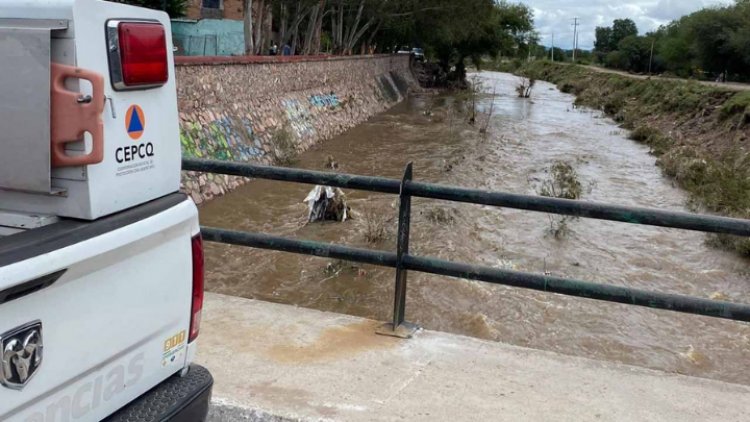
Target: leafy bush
[(562, 182), (739, 103), (375, 227), (652, 137)]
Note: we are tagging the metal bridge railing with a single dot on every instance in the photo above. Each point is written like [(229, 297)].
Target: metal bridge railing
[(402, 261)]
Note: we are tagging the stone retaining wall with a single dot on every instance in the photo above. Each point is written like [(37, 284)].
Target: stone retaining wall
[(243, 109)]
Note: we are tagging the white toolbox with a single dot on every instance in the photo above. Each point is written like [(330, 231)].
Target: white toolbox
[(88, 110)]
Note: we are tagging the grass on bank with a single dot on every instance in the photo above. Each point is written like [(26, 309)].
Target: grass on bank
[(696, 131)]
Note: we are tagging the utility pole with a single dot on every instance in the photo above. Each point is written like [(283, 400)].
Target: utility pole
[(553, 47), (575, 37), (651, 57)]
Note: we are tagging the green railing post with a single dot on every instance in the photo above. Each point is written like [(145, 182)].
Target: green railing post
[(399, 327)]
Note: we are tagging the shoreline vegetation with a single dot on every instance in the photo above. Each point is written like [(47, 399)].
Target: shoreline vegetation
[(698, 133)]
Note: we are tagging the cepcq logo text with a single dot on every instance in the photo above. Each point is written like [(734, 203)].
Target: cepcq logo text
[(134, 152), (92, 394), (135, 126)]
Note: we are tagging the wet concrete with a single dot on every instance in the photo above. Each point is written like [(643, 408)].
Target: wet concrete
[(524, 138), (274, 362)]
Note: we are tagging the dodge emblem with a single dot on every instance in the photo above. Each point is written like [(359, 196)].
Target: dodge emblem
[(20, 355)]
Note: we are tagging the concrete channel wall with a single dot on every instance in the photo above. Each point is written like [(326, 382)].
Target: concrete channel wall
[(267, 110)]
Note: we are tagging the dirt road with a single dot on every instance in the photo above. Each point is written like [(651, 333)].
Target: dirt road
[(733, 86)]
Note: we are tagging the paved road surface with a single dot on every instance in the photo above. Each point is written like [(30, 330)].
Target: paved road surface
[(278, 363)]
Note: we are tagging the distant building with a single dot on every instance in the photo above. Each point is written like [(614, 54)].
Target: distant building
[(208, 37), (215, 28), (215, 9)]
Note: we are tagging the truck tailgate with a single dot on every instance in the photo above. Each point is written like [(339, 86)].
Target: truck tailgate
[(114, 324)]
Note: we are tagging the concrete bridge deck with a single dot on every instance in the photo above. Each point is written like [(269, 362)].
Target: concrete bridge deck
[(276, 363)]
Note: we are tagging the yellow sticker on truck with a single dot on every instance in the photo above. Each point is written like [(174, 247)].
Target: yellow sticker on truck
[(173, 348)]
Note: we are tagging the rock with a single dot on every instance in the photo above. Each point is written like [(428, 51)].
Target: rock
[(331, 163)]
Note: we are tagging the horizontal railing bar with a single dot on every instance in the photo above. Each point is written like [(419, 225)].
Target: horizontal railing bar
[(608, 293), (595, 210), (311, 177), (600, 211), (568, 287), (304, 247)]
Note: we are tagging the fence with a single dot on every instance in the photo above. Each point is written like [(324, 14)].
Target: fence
[(402, 261)]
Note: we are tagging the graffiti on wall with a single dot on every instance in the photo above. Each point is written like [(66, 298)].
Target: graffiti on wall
[(299, 118), (221, 139), (325, 100)]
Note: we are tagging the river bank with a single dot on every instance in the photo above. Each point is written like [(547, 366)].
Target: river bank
[(698, 133), (267, 111)]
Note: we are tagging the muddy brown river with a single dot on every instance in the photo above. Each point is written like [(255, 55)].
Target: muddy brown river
[(523, 139)]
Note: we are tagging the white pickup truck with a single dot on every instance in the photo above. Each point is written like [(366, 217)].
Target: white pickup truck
[(101, 260)]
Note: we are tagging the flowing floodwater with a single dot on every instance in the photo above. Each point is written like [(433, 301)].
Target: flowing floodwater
[(524, 138)]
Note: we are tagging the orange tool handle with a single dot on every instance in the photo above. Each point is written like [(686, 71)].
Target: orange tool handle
[(72, 114)]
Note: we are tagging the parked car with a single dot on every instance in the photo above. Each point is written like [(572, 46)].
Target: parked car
[(418, 54), (403, 50)]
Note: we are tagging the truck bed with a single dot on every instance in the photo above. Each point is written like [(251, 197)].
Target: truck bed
[(111, 301), (67, 231)]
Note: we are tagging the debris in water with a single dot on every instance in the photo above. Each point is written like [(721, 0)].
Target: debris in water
[(331, 163), (719, 296), (441, 215), (325, 203), (506, 264), (332, 268), (695, 357)]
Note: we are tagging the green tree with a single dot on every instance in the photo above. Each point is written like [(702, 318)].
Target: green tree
[(708, 42), (452, 31), (616, 60), (621, 29), (603, 39), (635, 53), (602, 42)]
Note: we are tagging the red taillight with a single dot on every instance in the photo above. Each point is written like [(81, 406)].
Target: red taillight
[(138, 54), (198, 277)]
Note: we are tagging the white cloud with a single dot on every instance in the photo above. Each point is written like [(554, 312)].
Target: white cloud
[(556, 16)]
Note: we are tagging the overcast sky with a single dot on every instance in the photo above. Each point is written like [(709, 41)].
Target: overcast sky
[(557, 16)]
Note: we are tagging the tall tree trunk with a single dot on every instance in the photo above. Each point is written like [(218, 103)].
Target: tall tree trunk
[(336, 27), (350, 33), (248, 27), (300, 15), (267, 31), (282, 27), (259, 28), (340, 32), (355, 38), (311, 26), (373, 34), (319, 26)]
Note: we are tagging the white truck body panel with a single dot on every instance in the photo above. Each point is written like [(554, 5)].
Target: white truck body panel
[(106, 320), (116, 323), (123, 179)]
